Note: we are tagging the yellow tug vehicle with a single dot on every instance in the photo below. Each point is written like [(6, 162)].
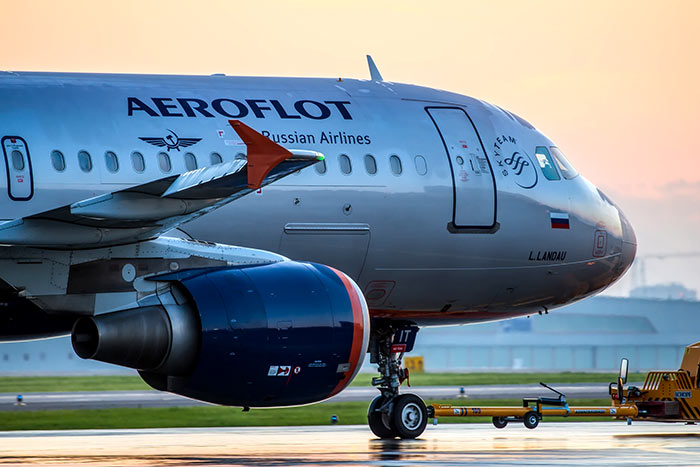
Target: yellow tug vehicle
[(666, 396)]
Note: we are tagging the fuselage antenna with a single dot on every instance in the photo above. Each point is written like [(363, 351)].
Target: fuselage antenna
[(373, 70)]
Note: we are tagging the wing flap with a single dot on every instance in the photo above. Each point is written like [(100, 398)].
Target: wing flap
[(50, 233), (129, 206), (199, 183)]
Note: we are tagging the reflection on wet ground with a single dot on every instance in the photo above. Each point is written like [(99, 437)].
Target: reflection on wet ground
[(448, 445)]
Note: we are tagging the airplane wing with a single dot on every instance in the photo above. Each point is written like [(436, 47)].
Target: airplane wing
[(146, 211)]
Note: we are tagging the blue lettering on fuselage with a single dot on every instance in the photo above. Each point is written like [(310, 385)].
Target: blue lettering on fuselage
[(231, 108)]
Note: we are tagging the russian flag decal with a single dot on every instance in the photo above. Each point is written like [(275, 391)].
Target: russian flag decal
[(560, 220)]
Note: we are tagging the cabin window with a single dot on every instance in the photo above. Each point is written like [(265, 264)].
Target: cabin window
[(17, 160), (567, 170), (111, 161), (370, 164), (421, 165), (241, 157), (345, 164), (84, 161), (216, 158), (190, 161), (164, 162), (321, 167), (58, 161), (395, 164), (137, 161), (546, 163)]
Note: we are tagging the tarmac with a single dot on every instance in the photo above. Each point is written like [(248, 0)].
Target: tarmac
[(576, 444), (125, 399)]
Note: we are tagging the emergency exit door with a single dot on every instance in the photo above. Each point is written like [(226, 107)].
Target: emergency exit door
[(474, 205), (20, 185)]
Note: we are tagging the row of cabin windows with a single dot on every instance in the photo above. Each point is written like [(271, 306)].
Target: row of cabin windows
[(395, 165), (164, 163), (137, 161), (549, 159)]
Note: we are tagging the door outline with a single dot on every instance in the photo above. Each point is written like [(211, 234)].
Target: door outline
[(7, 169), (451, 226)]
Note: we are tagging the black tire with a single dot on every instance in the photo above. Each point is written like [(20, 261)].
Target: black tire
[(409, 416), (380, 422), (531, 420), (500, 422)]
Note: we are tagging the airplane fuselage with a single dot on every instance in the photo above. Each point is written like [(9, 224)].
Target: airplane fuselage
[(444, 208)]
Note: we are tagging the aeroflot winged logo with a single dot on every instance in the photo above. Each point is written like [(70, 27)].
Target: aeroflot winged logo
[(172, 141)]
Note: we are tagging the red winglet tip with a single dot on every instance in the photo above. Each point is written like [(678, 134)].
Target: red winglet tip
[(263, 153)]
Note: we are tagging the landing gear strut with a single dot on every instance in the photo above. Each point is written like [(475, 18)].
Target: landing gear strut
[(394, 415)]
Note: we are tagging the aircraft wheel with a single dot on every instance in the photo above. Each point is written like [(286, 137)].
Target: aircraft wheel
[(409, 416), (531, 420), (500, 422), (380, 422)]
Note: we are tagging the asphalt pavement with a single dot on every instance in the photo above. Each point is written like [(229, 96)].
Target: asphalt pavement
[(550, 444)]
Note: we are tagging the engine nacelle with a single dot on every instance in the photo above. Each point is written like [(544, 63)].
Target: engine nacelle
[(279, 334)]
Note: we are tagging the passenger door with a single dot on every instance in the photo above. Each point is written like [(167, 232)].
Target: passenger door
[(474, 205), (20, 184)]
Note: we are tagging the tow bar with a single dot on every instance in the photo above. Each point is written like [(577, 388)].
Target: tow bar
[(532, 411)]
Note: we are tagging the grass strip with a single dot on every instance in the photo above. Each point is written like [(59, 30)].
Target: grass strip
[(349, 413), (24, 384)]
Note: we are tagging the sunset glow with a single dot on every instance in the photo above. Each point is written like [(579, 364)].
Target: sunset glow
[(614, 84)]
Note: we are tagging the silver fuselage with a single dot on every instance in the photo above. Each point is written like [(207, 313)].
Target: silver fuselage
[(430, 242)]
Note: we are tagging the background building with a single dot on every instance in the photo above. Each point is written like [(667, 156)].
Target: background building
[(672, 291), (589, 336)]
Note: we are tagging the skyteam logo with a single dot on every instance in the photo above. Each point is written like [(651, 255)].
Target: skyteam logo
[(513, 162), (522, 168), (517, 163), (172, 141)]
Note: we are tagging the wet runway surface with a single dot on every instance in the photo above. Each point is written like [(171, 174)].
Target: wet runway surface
[(123, 399), (642, 444)]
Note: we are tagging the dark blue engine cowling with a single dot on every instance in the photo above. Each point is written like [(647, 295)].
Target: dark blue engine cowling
[(279, 334)]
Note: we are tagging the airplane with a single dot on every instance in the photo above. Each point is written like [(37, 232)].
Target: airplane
[(246, 241)]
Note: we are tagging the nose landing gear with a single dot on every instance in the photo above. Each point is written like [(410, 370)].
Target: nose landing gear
[(394, 415)]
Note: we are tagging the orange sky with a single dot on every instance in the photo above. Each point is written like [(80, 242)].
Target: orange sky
[(615, 84)]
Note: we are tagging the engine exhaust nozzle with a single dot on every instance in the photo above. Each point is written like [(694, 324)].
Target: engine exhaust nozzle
[(139, 338)]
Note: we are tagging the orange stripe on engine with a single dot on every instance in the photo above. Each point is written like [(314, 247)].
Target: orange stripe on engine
[(357, 332)]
